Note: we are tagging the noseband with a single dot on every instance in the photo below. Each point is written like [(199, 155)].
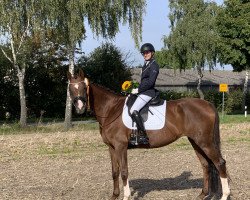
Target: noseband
[(83, 99)]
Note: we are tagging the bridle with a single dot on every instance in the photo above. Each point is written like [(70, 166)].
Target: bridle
[(82, 98), (86, 99)]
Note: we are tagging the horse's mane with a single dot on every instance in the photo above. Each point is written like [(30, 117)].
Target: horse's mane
[(76, 74), (107, 89)]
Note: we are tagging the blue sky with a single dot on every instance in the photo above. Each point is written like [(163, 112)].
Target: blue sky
[(155, 26)]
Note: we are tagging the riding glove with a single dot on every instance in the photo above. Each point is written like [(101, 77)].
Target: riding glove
[(134, 91)]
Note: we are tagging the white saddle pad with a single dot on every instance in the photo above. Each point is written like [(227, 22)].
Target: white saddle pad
[(155, 121)]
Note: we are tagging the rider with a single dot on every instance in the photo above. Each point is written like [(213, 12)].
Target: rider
[(146, 90)]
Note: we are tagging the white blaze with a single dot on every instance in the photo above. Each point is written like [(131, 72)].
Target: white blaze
[(76, 86)]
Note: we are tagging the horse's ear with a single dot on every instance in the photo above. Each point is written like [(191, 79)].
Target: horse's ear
[(81, 73), (86, 81), (69, 76)]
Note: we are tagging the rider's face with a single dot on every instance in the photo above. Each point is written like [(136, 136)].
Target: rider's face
[(147, 55)]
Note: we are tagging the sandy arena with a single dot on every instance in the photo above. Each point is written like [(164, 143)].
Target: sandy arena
[(75, 165)]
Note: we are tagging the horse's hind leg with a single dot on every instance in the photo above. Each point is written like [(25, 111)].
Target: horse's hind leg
[(210, 158), (214, 155), (205, 166)]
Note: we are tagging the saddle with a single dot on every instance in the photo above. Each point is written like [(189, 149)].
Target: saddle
[(155, 101)]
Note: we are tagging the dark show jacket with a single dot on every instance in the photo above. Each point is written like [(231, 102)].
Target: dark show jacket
[(149, 74)]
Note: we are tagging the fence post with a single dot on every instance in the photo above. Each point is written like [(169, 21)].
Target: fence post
[(223, 87)]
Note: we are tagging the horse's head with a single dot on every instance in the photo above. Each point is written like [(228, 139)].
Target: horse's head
[(78, 88)]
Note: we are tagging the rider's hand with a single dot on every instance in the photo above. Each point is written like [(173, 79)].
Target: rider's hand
[(134, 91)]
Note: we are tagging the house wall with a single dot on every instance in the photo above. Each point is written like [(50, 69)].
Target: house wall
[(169, 79)]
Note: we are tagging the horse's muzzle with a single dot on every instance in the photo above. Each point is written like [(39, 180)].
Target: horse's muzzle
[(80, 104)]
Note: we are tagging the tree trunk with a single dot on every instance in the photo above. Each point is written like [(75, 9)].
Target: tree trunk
[(23, 114), (245, 91), (200, 75), (68, 109), (20, 70)]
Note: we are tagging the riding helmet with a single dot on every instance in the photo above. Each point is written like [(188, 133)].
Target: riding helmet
[(147, 47)]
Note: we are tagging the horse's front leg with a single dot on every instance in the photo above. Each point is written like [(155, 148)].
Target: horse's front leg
[(124, 173), (120, 163), (115, 173)]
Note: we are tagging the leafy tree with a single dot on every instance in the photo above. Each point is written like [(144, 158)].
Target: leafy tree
[(64, 21), (106, 66), (233, 24), (18, 23), (9, 101), (162, 58), (21, 25), (104, 18), (46, 87), (192, 42), (45, 80)]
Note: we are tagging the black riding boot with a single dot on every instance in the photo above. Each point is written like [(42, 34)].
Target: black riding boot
[(142, 136)]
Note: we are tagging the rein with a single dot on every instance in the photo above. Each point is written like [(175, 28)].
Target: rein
[(101, 125), (76, 83)]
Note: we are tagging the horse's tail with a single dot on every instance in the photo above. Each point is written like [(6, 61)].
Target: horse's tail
[(217, 130), (214, 182)]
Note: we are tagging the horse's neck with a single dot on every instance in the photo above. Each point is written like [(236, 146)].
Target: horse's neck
[(106, 104), (101, 96)]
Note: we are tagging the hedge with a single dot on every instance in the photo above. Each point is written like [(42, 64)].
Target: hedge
[(233, 100)]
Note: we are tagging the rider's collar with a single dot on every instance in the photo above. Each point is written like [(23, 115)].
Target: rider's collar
[(148, 61)]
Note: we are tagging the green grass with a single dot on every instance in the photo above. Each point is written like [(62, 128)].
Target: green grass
[(234, 119), (58, 126), (64, 147), (234, 140), (15, 128)]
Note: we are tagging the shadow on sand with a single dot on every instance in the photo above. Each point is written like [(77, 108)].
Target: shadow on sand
[(143, 186)]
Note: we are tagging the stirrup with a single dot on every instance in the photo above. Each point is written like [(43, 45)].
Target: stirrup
[(133, 141), (138, 138), (143, 138)]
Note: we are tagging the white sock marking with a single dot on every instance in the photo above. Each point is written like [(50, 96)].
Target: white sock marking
[(225, 188), (127, 191)]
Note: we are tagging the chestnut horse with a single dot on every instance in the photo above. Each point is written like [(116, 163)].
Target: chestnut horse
[(194, 118)]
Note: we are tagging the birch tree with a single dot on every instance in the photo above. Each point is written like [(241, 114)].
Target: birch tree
[(17, 23), (104, 17), (192, 42)]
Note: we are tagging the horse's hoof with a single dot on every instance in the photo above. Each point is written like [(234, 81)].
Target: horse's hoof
[(225, 198), (115, 196), (202, 196)]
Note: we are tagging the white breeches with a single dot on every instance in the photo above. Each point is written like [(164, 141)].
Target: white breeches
[(140, 102)]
